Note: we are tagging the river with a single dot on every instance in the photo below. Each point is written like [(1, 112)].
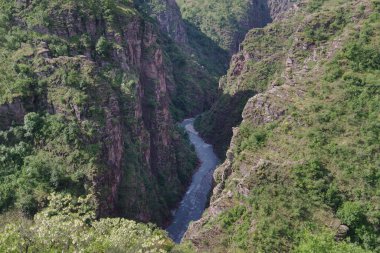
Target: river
[(195, 200)]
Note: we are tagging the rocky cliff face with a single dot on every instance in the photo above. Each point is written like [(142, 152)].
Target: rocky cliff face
[(106, 68), (285, 171), (195, 61), (11, 113), (259, 14), (227, 22), (252, 69), (168, 16)]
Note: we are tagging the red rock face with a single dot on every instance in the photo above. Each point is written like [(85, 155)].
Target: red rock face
[(114, 145), (154, 123), (145, 123)]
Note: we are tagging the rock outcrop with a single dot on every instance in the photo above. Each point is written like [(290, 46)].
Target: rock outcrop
[(12, 113), (169, 19)]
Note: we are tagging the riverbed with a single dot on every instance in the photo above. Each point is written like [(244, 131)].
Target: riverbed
[(195, 200)]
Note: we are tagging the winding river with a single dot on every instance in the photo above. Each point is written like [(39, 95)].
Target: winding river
[(195, 200)]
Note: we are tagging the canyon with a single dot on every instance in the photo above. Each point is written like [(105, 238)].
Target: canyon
[(196, 198), (285, 92), (129, 89)]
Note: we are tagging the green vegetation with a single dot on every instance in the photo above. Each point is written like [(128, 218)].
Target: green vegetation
[(296, 179), (102, 47), (69, 225), (30, 165), (81, 123), (252, 70), (324, 243), (195, 76), (225, 22), (19, 45), (314, 5), (74, 99)]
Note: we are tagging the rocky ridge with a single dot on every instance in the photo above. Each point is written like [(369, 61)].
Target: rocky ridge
[(268, 147)]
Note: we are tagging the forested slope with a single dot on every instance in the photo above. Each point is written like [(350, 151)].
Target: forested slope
[(302, 169), (91, 92), (86, 92)]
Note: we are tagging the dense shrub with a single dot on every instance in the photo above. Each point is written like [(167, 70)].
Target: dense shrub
[(222, 21), (69, 225), (102, 47), (324, 243), (362, 56), (314, 5), (34, 173)]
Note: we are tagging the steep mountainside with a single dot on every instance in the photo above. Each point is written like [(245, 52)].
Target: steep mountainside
[(194, 62), (168, 16), (197, 62), (227, 22), (91, 92), (301, 172), (251, 69), (86, 98)]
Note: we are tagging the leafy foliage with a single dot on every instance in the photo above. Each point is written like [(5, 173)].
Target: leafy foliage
[(35, 172), (69, 225), (324, 243), (102, 47)]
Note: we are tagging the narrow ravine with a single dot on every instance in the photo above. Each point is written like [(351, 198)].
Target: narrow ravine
[(195, 200)]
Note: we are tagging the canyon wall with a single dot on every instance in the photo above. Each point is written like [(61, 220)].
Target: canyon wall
[(251, 70), (106, 69), (292, 170), (232, 20)]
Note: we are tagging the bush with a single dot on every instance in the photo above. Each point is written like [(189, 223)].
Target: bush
[(7, 196), (69, 225), (32, 124), (30, 167), (314, 179), (102, 47), (251, 138), (323, 242), (362, 57), (352, 214), (314, 5), (27, 203)]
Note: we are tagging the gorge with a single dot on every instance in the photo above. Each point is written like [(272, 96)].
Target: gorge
[(196, 197), (284, 92)]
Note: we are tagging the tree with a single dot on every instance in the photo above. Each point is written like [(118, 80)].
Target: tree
[(68, 225)]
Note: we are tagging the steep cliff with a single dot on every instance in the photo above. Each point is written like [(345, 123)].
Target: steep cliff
[(227, 22), (94, 83), (196, 62), (301, 170), (168, 16), (251, 70)]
